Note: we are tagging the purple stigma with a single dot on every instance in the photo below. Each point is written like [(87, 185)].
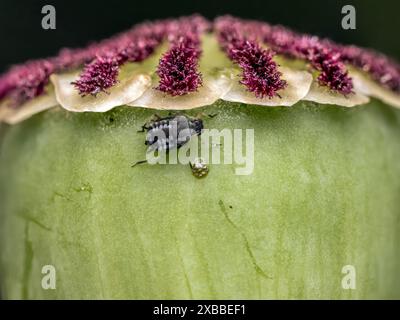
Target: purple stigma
[(98, 76), (178, 67), (259, 72), (26, 81), (177, 70), (5, 85), (381, 68), (134, 46), (332, 71)]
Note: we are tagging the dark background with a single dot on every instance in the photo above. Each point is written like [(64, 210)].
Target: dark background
[(78, 22)]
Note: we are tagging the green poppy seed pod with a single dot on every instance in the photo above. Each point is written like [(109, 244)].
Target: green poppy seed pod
[(304, 153)]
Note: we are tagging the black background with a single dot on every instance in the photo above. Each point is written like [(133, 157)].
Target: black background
[(78, 22)]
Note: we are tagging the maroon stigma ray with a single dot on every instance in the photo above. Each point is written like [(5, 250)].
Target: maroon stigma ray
[(259, 72), (178, 67)]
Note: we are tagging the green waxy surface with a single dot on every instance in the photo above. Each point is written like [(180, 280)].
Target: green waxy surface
[(324, 194)]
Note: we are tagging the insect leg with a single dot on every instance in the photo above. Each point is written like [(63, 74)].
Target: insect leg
[(144, 127), (138, 162), (154, 117)]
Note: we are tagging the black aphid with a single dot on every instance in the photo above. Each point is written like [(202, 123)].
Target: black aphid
[(174, 131), (171, 132)]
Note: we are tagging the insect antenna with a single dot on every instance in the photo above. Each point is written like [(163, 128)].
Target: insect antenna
[(138, 162), (144, 127)]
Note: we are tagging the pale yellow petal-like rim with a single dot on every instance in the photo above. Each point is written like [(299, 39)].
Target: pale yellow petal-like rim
[(15, 115), (322, 94), (213, 88), (126, 90), (363, 83), (298, 84)]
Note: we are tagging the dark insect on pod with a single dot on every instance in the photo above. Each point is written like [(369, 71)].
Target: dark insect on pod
[(171, 132), (164, 134)]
